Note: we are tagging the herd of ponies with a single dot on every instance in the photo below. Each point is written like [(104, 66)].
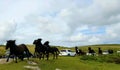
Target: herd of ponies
[(21, 51), (41, 51)]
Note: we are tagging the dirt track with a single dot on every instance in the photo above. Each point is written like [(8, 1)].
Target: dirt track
[(3, 61)]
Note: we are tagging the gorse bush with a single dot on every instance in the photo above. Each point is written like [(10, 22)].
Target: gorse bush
[(2, 51), (103, 58), (117, 60), (85, 57)]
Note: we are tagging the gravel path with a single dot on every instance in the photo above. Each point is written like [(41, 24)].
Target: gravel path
[(3, 61), (32, 66)]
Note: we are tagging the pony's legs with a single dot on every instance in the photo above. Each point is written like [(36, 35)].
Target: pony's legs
[(47, 55), (27, 54), (54, 56), (43, 55), (8, 58), (40, 55), (16, 59), (22, 57), (35, 54)]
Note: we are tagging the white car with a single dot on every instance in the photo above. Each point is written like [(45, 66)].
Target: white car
[(67, 52), (118, 51), (105, 52)]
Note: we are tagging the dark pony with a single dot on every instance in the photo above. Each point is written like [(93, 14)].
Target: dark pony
[(91, 51), (99, 51), (110, 51), (52, 50), (17, 50), (40, 50), (79, 51)]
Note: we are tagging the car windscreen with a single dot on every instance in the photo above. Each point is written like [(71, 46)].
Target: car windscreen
[(69, 51), (63, 50)]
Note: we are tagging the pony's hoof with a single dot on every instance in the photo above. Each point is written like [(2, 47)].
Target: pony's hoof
[(7, 60)]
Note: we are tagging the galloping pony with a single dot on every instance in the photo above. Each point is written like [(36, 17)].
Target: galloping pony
[(99, 51), (52, 50), (17, 50), (79, 51), (39, 49), (91, 51)]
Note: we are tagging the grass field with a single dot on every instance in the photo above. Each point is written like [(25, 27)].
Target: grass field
[(65, 63)]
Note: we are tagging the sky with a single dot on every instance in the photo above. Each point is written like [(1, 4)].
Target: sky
[(61, 22)]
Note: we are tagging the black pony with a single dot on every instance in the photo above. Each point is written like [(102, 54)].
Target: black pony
[(79, 51), (17, 50), (91, 51), (40, 50), (99, 51), (52, 50)]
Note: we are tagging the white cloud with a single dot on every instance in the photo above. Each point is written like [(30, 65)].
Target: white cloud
[(98, 11), (78, 37), (94, 40), (68, 22), (112, 31), (6, 30)]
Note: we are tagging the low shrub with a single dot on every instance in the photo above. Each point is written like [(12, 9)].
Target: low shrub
[(2, 51), (85, 57), (103, 58)]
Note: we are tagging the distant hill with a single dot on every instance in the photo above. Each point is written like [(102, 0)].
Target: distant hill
[(102, 46)]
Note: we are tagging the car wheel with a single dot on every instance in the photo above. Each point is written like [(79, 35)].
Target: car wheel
[(68, 54)]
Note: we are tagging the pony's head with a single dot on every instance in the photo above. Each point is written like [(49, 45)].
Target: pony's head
[(37, 41), (46, 43), (89, 48), (9, 43)]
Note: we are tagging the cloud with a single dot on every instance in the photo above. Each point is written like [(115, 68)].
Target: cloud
[(102, 11), (63, 22), (112, 32), (6, 30)]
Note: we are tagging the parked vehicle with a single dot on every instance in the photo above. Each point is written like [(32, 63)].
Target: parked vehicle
[(67, 52), (118, 51), (105, 52)]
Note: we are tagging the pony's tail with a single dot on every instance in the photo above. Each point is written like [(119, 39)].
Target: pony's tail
[(57, 50), (28, 53)]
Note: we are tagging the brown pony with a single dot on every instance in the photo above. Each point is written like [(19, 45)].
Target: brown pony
[(53, 50), (39, 49), (17, 50)]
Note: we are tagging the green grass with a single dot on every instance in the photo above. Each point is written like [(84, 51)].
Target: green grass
[(63, 63), (13, 66), (74, 63), (2, 50), (111, 58)]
